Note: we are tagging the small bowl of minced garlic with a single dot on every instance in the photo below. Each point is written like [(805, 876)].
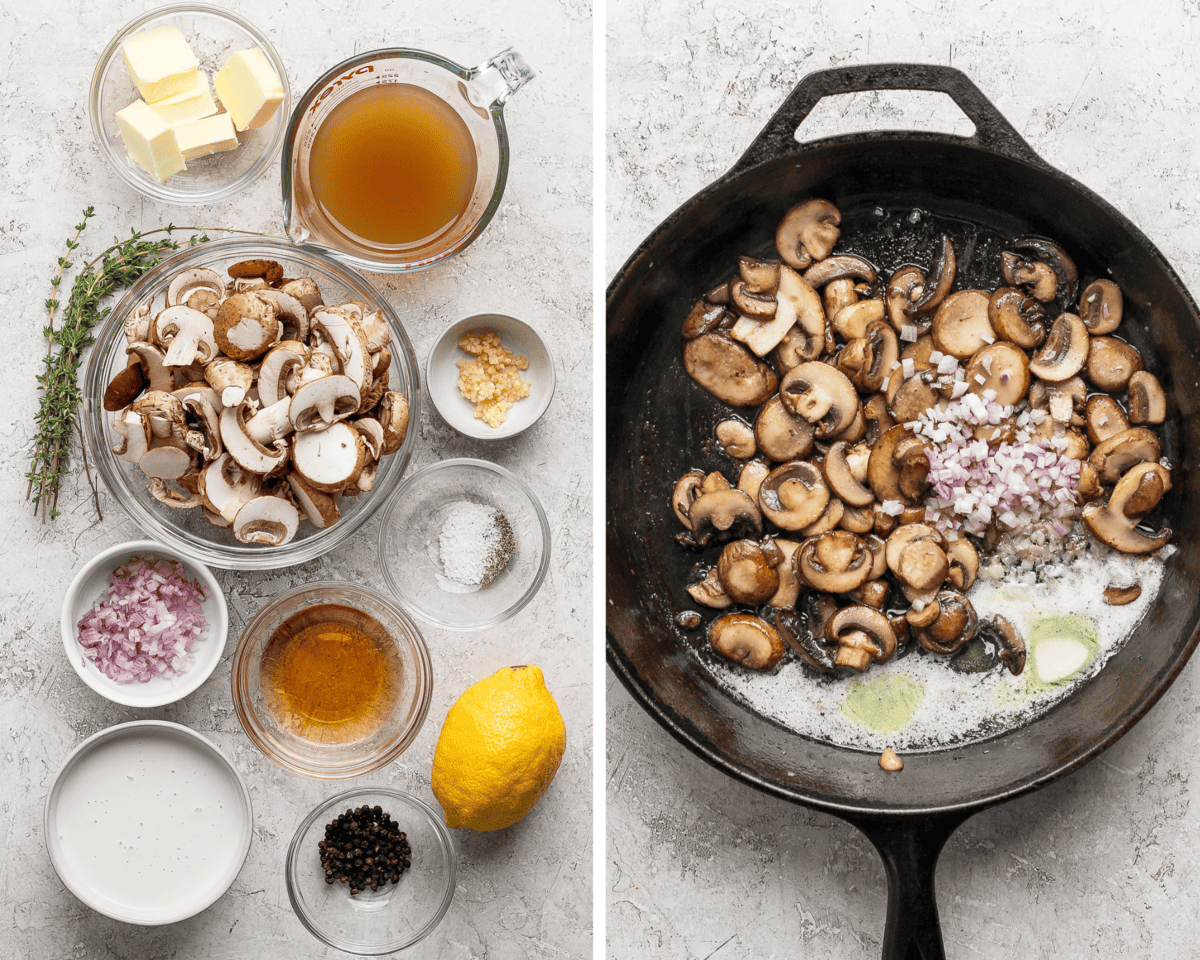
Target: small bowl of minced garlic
[(490, 376)]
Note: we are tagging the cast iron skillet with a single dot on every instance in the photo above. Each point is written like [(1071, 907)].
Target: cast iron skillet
[(981, 189)]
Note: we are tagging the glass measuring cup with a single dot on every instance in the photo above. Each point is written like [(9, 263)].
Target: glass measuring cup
[(476, 95)]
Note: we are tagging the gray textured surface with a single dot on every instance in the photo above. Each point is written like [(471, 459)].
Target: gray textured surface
[(524, 892), (1104, 863)]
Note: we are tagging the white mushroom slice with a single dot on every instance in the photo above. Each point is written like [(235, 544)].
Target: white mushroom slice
[(378, 389), (134, 433), (200, 388), (245, 285), (246, 326), (797, 302), (290, 310), (349, 343), (323, 401), (305, 290), (320, 508), (192, 280), (268, 520), (393, 414), (151, 360), (329, 459), (248, 452), (365, 479), (206, 438), (281, 363), (230, 378), (225, 487), (381, 361), (187, 335), (270, 423), (167, 459), (175, 497), (376, 328), (164, 412), (372, 434), (137, 324)]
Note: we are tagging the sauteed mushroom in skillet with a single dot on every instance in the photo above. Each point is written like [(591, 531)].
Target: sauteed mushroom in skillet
[(908, 434)]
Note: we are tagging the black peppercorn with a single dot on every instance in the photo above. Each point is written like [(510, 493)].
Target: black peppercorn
[(364, 847)]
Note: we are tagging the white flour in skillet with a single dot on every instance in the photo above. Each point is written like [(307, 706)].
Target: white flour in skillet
[(924, 703)]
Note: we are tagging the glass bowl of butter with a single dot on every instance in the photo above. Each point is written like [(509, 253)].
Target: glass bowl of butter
[(190, 103)]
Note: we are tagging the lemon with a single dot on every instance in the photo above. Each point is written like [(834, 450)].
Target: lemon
[(498, 750)]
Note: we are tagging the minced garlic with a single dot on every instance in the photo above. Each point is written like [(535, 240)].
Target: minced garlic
[(491, 381)]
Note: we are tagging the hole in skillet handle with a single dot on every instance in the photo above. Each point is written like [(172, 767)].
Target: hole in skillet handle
[(992, 131), (923, 111)]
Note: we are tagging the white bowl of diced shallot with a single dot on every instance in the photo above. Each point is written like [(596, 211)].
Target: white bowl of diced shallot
[(143, 626)]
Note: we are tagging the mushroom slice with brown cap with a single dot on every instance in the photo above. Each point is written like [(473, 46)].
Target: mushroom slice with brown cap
[(793, 495), (788, 593), (282, 362), (349, 342), (904, 289), (703, 318), (850, 323), (187, 334), (713, 482), (796, 303), (1010, 644), (151, 360), (840, 267), (863, 635), (909, 397), (392, 413), (1051, 254), (753, 306), (724, 515), (175, 497), (249, 453), (828, 520), (134, 433), (709, 592), (1101, 306), (746, 639), (262, 269), (271, 423), (321, 402), (956, 623), (780, 434), (1136, 493), (910, 456), (1017, 317), (188, 282), (1111, 362), (268, 520), (746, 573), (728, 371), (964, 563), (1003, 369), (940, 280), (375, 327), (1032, 276), (759, 276), (205, 435), (807, 232), (838, 294), (751, 477), (928, 566), (687, 489), (290, 310), (372, 434), (842, 481), (329, 459), (305, 290), (125, 387), (225, 486), (1104, 417), (1065, 351), (822, 395), (869, 360), (1120, 452), (232, 379), (961, 325), (247, 325), (879, 418), (834, 562), (163, 412), (883, 473), (1065, 401), (1147, 401), (736, 438), (804, 633), (795, 348), (1116, 596)]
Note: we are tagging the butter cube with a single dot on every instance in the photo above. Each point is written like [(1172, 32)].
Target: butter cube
[(249, 88), (160, 62), (150, 141), (199, 138), (192, 103)]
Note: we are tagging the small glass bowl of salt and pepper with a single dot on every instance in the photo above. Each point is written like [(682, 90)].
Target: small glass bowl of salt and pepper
[(464, 544)]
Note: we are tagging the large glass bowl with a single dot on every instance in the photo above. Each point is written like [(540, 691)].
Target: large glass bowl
[(213, 34), (187, 530), (372, 923), (330, 760)]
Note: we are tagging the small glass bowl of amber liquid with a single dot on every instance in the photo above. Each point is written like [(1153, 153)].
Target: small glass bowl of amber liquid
[(332, 680)]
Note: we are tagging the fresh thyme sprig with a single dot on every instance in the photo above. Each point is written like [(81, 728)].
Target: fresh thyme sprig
[(117, 267)]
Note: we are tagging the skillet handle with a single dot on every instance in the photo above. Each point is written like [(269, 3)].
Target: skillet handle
[(992, 131), (910, 847)]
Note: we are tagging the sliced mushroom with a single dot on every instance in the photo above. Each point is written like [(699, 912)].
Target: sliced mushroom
[(305, 290), (863, 634), (916, 554), (879, 418), (176, 496), (703, 318), (321, 402), (751, 477), (728, 371), (745, 572), (250, 454), (797, 347), (709, 592), (393, 415), (167, 459), (723, 514), (290, 311), (163, 412), (797, 303), (736, 438), (829, 519), (793, 495), (1065, 401), (961, 325), (873, 593), (788, 593), (272, 521), (746, 639), (940, 280), (956, 623), (687, 489), (964, 563), (231, 379), (909, 397), (246, 326), (1065, 351), (838, 294), (188, 282), (281, 363), (206, 435), (320, 508), (840, 267), (1001, 368), (1017, 317), (805, 633), (1101, 306), (842, 481), (869, 360), (134, 433), (883, 472), (822, 395), (850, 322), (1120, 596), (753, 306), (1111, 362), (807, 232), (225, 487), (1105, 418), (187, 335), (1064, 280), (904, 289), (781, 434), (1118, 453), (1137, 492), (759, 276), (329, 459), (834, 562), (339, 327), (151, 360), (1147, 401), (125, 387), (1032, 276)]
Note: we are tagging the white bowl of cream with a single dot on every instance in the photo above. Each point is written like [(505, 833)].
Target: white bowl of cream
[(148, 822)]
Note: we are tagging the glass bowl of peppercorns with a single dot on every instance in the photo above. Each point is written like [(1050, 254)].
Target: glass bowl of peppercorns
[(371, 871)]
